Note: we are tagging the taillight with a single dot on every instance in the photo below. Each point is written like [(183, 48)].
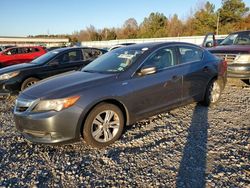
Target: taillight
[(223, 67)]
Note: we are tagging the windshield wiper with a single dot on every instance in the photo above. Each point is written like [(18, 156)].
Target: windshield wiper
[(91, 71)]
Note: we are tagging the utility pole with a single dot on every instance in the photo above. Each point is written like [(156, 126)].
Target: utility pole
[(218, 23)]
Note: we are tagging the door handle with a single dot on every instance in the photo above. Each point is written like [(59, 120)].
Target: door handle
[(175, 78), (205, 69)]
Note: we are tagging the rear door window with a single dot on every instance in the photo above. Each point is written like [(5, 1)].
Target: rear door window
[(13, 51), (190, 54), (91, 54), (69, 57)]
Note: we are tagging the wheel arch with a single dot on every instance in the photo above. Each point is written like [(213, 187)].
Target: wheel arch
[(26, 78), (116, 102)]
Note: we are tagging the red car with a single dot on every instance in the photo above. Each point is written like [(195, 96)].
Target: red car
[(18, 55)]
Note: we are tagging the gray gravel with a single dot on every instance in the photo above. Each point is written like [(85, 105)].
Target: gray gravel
[(192, 146)]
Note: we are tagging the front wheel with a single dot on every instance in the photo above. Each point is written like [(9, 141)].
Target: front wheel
[(213, 93), (29, 82), (103, 126)]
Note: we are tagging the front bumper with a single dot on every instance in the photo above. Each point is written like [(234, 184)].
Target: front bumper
[(9, 87), (50, 127), (241, 71)]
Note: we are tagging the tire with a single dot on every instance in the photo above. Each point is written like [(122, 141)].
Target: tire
[(98, 134), (28, 82), (213, 93), (246, 81)]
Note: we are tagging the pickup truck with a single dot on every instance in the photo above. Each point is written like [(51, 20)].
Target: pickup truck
[(235, 49)]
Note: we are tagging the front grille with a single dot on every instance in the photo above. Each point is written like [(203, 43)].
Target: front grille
[(23, 105), (21, 109), (229, 58)]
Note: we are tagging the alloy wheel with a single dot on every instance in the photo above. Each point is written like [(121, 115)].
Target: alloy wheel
[(215, 92), (105, 126), (29, 84)]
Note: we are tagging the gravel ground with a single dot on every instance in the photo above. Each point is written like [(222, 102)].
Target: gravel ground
[(192, 146)]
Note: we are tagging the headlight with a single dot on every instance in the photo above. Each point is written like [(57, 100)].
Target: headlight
[(242, 59), (8, 75), (55, 104)]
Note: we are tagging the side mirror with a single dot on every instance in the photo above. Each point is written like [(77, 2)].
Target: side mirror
[(209, 44), (146, 70)]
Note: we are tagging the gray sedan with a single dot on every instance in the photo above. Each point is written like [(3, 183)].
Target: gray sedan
[(117, 89)]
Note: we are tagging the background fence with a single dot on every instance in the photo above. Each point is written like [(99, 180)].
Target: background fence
[(192, 39)]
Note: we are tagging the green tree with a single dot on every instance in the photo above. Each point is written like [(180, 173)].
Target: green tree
[(204, 20), (232, 11), (153, 26), (233, 15)]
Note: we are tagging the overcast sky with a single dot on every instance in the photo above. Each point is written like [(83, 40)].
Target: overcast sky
[(33, 17)]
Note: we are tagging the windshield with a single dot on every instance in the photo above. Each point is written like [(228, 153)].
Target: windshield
[(115, 61), (237, 39), (44, 58)]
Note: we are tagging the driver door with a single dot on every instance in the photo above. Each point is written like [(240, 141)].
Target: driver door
[(67, 61), (155, 92)]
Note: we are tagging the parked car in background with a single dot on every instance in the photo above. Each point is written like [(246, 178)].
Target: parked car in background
[(18, 77), (118, 89), (211, 43), (235, 49), (2, 48), (55, 47), (16, 55)]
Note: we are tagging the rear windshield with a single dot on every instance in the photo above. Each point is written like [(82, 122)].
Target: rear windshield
[(237, 39)]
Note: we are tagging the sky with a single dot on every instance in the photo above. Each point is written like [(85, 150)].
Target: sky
[(34, 17)]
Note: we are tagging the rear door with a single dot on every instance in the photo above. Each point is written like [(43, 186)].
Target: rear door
[(35, 52), (195, 71), (24, 55)]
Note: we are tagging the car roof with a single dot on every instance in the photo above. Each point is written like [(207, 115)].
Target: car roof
[(70, 48), (157, 44), (24, 47), (237, 32)]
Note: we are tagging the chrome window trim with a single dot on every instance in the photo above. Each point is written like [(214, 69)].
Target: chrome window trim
[(178, 64), (192, 47)]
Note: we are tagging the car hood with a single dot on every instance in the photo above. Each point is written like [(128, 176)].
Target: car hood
[(17, 67), (67, 84), (234, 49)]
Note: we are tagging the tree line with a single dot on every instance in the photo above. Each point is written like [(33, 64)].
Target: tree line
[(232, 16)]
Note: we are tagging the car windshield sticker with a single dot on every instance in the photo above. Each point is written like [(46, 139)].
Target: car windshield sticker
[(120, 69), (126, 56), (123, 64)]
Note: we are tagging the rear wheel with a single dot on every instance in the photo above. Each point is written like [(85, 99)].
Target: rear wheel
[(103, 126), (29, 82), (213, 93), (246, 81)]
